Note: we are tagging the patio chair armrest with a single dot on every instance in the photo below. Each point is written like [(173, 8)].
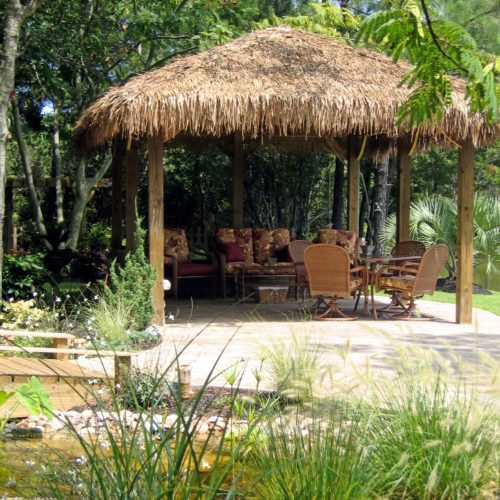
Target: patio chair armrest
[(364, 271), (357, 268)]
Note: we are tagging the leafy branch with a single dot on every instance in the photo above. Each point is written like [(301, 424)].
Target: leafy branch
[(437, 49)]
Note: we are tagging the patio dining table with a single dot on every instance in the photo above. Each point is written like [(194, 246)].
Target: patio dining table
[(374, 262)]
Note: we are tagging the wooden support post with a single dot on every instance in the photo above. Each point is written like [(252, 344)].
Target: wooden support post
[(404, 181), (156, 228), (117, 194), (353, 184), (238, 180), (465, 231), (123, 364), (131, 189), (60, 343), (8, 222), (184, 377)]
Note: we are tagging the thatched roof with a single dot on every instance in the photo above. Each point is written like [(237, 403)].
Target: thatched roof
[(277, 81)]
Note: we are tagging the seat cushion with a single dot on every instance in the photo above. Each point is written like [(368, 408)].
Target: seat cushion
[(175, 243), (398, 282), (356, 283), (194, 269), (270, 243), (232, 251)]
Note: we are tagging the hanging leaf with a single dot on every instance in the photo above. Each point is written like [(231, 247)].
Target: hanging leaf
[(33, 396)]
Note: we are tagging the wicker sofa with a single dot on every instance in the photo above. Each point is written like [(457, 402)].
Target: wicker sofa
[(250, 250)]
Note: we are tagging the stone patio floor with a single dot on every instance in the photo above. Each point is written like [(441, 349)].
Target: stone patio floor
[(209, 332)]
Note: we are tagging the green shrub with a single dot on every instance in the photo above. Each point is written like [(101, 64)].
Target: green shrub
[(132, 284), (145, 390), (23, 314), (22, 274), (97, 237)]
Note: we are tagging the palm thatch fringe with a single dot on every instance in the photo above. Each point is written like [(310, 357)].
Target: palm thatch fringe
[(278, 81)]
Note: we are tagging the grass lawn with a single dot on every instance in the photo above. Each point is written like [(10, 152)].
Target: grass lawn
[(487, 302)]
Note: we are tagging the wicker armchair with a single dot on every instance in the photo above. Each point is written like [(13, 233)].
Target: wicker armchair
[(410, 248), (296, 252), (413, 280), (330, 275)]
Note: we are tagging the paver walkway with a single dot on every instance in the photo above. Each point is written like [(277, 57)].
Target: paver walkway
[(229, 334)]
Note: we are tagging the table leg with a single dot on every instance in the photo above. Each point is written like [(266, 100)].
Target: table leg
[(373, 273)]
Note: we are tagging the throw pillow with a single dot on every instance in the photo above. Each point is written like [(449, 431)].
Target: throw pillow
[(233, 252)]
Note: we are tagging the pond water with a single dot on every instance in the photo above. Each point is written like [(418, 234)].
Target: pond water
[(22, 462)]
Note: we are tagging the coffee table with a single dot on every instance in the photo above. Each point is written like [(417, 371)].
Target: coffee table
[(243, 280)]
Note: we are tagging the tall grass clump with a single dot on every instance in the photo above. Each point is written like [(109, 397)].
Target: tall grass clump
[(109, 319), (430, 440), (294, 367), (322, 457)]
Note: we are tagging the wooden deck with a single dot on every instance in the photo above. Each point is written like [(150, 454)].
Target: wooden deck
[(67, 383)]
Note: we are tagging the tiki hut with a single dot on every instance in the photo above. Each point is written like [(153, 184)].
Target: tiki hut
[(281, 85)]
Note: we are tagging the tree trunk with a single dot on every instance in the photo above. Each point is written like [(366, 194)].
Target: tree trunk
[(380, 204), (364, 209), (14, 15), (57, 169), (338, 191), (28, 175), (83, 193)]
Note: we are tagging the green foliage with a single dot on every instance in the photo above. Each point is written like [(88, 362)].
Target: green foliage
[(433, 220), (145, 389), (23, 314), (436, 51), (130, 286), (326, 458), (428, 443), (150, 459), (22, 273), (97, 237), (109, 318), (322, 18), (32, 395)]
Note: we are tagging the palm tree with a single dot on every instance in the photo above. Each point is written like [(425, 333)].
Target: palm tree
[(434, 220)]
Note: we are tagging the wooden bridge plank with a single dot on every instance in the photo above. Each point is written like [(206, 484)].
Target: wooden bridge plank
[(46, 368), (26, 333)]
